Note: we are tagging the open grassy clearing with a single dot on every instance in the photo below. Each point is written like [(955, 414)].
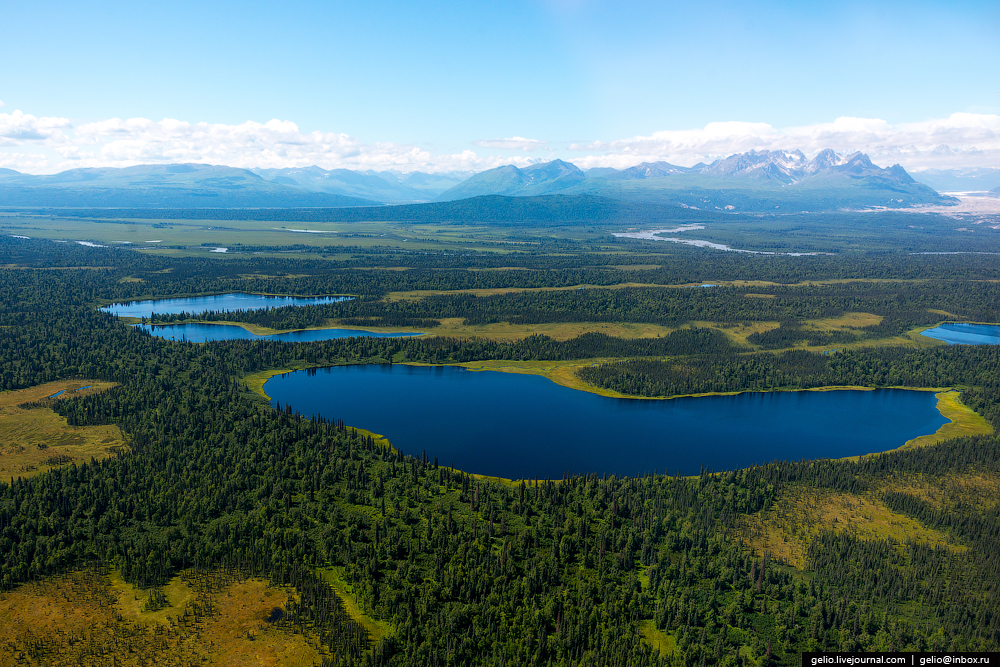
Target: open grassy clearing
[(90, 617), (658, 640), (455, 328), (561, 372), (133, 603), (556, 330), (973, 489), (376, 629), (845, 321), (964, 421), (35, 440), (786, 529), (156, 236)]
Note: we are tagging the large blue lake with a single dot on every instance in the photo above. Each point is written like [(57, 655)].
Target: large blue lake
[(527, 426), (203, 333), (960, 333)]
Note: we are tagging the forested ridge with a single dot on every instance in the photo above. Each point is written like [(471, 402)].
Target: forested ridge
[(900, 307), (473, 572)]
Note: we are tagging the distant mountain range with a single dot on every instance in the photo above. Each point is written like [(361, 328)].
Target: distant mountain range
[(758, 180), (161, 186), (979, 179), (386, 186), (774, 181)]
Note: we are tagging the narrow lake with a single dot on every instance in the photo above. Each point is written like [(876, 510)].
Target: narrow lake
[(960, 333), (218, 302), (527, 426), (203, 333)]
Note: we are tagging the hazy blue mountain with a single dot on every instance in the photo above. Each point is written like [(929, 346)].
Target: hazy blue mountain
[(995, 191), (754, 181), (488, 209), (640, 171), (960, 180), (432, 184), (537, 179), (160, 186), (388, 187)]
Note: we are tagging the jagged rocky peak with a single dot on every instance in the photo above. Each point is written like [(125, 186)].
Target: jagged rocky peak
[(825, 159), (792, 166), (784, 166)]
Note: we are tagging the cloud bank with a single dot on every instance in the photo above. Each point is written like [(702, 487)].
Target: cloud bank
[(50, 144), (963, 140)]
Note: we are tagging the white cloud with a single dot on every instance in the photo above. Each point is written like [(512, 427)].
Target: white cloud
[(121, 143), (973, 140), (17, 127), (26, 162), (514, 143), (49, 144)]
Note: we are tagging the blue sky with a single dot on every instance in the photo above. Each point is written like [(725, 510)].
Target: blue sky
[(443, 85)]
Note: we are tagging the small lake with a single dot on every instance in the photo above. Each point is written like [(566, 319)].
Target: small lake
[(960, 333), (516, 426), (218, 302), (203, 333)]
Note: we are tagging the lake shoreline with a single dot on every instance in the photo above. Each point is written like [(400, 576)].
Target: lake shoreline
[(735, 433)]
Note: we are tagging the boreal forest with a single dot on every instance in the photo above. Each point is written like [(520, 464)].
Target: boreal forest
[(157, 508)]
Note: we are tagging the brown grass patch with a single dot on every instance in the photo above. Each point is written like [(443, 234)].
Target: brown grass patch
[(241, 634), (224, 620), (35, 440), (785, 530)]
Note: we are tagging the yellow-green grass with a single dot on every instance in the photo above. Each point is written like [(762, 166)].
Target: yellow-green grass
[(454, 327), (785, 530), (657, 639), (256, 381), (845, 321), (131, 599), (376, 628), (35, 440), (137, 233), (561, 372), (69, 618), (963, 421), (413, 295), (980, 490)]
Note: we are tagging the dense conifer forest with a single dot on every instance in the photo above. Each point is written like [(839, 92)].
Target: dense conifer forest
[(588, 570)]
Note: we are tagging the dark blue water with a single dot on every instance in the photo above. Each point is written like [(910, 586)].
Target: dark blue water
[(957, 333), (527, 426), (219, 302), (57, 394), (203, 333)]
